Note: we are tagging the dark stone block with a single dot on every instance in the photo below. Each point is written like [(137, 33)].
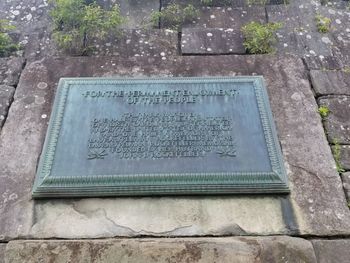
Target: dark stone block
[(330, 82), (225, 3), (344, 160), (299, 34), (346, 184), (211, 41), (6, 96), (329, 251), (10, 70), (223, 17), (139, 43), (325, 63), (337, 124)]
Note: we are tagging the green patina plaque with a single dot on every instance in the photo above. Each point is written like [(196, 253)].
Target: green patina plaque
[(125, 137)]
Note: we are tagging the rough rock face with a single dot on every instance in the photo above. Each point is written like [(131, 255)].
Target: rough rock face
[(211, 41), (344, 156), (202, 250), (330, 82), (10, 70), (346, 184), (337, 124), (2, 252), (6, 95), (332, 250)]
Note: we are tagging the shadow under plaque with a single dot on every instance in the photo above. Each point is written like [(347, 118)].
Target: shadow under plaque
[(125, 137)]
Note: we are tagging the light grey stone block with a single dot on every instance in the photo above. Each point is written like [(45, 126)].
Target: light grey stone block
[(201, 250)]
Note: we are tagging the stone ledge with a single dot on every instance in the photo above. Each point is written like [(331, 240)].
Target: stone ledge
[(233, 250), (330, 82)]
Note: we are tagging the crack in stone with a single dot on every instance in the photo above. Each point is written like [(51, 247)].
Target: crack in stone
[(128, 230), (307, 171)]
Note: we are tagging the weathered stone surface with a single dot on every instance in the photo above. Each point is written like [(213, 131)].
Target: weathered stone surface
[(323, 63), (228, 18), (201, 250), (211, 41), (217, 30), (346, 184), (33, 25), (332, 251), (340, 30), (2, 252), (315, 206), (337, 124), (10, 70), (140, 43), (6, 95), (344, 159), (299, 34), (330, 82), (225, 3), (126, 43)]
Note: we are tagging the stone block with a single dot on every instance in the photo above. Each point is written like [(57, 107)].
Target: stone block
[(201, 250), (10, 70), (225, 3), (211, 41), (140, 43), (337, 124), (344, 154), (339, 33), (2, 252), (346, 184), (33, 25), (330, 82), (332, 251), (316, 205), (299, 34), (323, 63), (226, 17), (6, 96)]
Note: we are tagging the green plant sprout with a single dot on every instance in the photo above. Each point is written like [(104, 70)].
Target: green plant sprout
[(174, 16), (323, 24), (323, 111), (257, 2), (346, 69), (78, 22), (7, 47), (260, 38), (206, 2)]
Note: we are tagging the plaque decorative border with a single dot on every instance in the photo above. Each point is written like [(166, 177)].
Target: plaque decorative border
[(46, 185)]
